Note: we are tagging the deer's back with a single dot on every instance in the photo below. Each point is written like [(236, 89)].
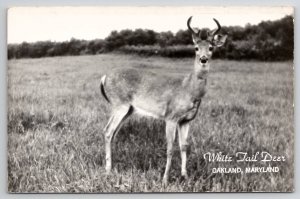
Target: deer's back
[(126, 85)]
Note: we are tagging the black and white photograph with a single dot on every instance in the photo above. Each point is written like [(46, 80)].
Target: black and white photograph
[(134, 99)]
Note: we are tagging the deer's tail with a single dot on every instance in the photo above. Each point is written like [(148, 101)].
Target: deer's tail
[(102, 84)]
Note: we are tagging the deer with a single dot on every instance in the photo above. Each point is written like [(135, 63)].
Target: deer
[(174, 100)]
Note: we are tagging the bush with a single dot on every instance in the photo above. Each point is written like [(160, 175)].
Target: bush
[(269, 40)]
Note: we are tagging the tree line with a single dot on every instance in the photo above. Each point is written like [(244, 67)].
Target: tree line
[(269, 41)]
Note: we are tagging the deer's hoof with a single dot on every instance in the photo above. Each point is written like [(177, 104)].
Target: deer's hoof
[(165, 182), (184, 177), (107, 171)]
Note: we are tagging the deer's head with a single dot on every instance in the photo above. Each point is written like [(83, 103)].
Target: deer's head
[(205, 42)]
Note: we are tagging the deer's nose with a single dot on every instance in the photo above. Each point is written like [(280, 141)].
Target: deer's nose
[(203, 60)]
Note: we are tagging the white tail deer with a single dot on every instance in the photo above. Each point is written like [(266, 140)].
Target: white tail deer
[(171, 99)]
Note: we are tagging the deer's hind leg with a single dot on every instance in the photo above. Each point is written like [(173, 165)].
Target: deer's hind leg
[(119, 115)]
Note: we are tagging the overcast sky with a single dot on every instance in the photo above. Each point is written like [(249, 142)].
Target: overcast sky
[(62, 23)]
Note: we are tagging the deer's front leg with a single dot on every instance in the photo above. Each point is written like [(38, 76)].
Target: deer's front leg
[(170, 135), (183, 130)]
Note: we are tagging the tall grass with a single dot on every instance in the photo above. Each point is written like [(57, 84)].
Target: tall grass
[(56, 115)]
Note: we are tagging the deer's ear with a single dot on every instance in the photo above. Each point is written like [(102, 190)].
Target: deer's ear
[(219, 40), (194, 38)]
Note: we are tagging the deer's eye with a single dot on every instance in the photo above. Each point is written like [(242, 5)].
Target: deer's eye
[(196, 48), (210, 48)]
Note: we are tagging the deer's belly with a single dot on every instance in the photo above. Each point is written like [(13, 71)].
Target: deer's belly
[(182, 109), (144, 112), (148, 107)]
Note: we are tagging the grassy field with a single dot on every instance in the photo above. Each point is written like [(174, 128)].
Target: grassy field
[(56, 115)]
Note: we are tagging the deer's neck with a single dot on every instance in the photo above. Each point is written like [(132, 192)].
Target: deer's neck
[(196, 81)]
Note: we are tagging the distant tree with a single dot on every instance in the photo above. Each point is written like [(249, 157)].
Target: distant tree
[(183, 37), (166, 39), (269, 40), (13, 51), (96, 46), (114, 41), (75, 46), (24, 49)]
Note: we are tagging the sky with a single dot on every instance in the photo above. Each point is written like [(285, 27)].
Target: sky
[(32, 24)]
